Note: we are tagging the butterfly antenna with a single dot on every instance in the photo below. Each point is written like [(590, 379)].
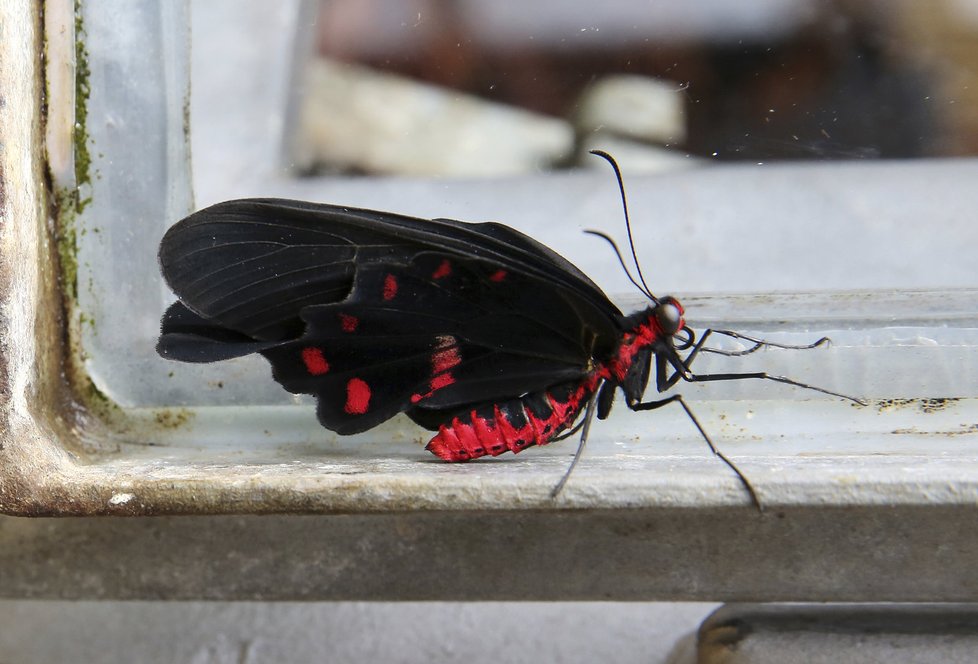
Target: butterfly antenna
[(621, 260), (628, 223)]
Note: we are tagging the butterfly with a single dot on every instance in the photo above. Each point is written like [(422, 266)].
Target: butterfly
[(473, 330)]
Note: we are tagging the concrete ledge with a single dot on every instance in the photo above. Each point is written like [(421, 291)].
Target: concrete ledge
[(845, 554)]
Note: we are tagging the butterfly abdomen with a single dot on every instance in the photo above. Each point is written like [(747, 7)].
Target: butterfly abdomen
[(513, 425)]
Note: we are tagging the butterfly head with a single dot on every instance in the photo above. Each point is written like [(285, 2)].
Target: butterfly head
[(669, 315)]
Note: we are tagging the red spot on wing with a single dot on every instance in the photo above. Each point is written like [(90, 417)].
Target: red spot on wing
[(315, 363), (443, 360), (357, 397), (498, 276), (390, 287), (442, 380), (443, 270), (435, 384), (349, 323)]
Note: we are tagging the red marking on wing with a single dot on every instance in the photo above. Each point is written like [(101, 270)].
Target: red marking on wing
[(498, 276), (443, 270), (441, 380), (435, 384), (443, 360), (390, 287), (315, 363), (349, 323), (357, 397)]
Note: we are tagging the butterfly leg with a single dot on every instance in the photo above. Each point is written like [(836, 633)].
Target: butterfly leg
[(758, 344), (585, 428), (667, 357), (678, 398), (570, 432)]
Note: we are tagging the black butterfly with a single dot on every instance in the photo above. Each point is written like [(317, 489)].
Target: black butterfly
[(474, 330)]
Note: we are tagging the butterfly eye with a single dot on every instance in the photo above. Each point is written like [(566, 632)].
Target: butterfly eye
[(669, 316)]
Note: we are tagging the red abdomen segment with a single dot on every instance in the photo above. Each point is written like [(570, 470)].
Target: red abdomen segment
[(511, 426)]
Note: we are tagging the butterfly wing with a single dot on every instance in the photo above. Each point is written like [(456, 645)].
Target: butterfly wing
[(253, 265), (376, 314), (436, 333)]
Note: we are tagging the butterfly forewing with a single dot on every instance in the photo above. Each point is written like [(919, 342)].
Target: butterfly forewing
[(253, 265)]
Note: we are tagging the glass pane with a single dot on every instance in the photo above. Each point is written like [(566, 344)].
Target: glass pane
[(486, 111)]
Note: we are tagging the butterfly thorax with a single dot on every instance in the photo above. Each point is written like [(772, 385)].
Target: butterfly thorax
[(644, 330), (642, 335)]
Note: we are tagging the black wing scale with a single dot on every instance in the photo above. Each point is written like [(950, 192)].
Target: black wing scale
[(377, 313)]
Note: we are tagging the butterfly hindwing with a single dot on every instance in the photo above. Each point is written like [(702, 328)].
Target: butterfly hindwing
[(434, 333), (189, 337)]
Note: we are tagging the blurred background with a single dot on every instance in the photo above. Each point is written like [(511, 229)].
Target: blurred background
[(712, 80)]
